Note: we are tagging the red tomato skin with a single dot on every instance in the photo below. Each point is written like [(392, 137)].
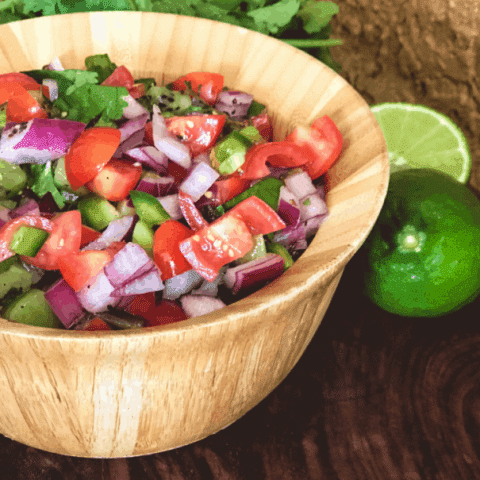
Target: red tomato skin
[(90, 152), (176, 171), (142, 304), (264, 126), (137, 91), (165, 312), (7, 231), (116, 179), (149, 133), (166, 251), (227, 188), (21, 106), (88, 235), (211, 85), (78, 268), (120, 77), (28, 83), (199, 132), (190, 212), (64, 239), (95, 325)]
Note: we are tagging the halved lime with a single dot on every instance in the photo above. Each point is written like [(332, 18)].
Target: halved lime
[(420, 137)]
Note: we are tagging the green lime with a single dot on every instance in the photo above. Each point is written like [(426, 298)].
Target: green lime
[(420, 137), (422, 257)]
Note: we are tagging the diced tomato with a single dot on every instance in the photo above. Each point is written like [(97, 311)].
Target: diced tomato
[(259, 217), (28, 83), (166, 251), (21, 106), (116, 179), (78, 268), (142, 304), (120, 77), (190, 211), (137, 91), (115, 247), (8, 230), (227, 188), (88, 235), (325, 141), (165, 312), (198, 132), (264, 126), (211, 85), (149, 133), (90, 152), (176, 171), (64, 239), (95, 324), (225, 240)]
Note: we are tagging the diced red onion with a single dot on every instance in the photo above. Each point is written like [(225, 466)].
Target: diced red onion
[(38, 140), (254, 273), (156, 186), (290, 235), (117, 230), (277, 172), (313, 224), (47, 204), (234, 103), (133, 109), (125, 301), (312, 206), (321, 191), (96, 295), (197, 305), (289, 213), (181, 284), (52, 87), (199, 180), (159, 127), (201, 158), (5, 214), (65, 304), (133, 141), (55, 64), (149, 281), (30, 207), (133, 125), (300, 184), (171, 205), (150, 156), (175, 150), (210, 288), (129, 263)]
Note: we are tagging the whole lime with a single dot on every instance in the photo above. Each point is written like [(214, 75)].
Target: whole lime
[(422, 257)]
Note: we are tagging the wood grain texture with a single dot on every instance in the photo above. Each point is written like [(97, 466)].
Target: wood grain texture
[(119, 394)]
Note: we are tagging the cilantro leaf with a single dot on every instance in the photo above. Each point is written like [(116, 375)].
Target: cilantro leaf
[(317, 15), (275, 16), (41, 182), (101, 64), (67, 80)]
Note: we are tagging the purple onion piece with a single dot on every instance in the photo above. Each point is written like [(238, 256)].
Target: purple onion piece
[(47, 204), (52, 87), (156, 185), (199, 180), (116, 231), (255, 273), (234, 103), (96, 295), (182, 284), (55, 64), (171, 205), (150, 281), (312, 206), (290, 235), (133, 125), (149, 156), (175, 150), (313, 224), (128, 264), (65, 304), (197, 305), (159, 127), (133, 109), (300, 184), (210, 289), (30, 207), (289, 213), (38, 140)]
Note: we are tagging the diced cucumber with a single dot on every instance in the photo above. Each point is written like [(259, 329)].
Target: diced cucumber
[(15, 277), (148, 208), (10, 204), (283, 252), (97, 212), (12, 179), (6, 264), (143, 235), (32, 308), (28, 240)]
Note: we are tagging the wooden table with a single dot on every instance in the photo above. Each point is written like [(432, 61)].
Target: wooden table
[(374, 397)]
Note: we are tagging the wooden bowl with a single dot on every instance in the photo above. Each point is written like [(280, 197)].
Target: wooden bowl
[(116, 394)]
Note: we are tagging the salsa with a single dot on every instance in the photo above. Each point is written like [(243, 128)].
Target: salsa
[(127, 204)]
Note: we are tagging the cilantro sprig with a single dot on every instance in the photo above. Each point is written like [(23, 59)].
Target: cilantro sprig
[(305, 24)]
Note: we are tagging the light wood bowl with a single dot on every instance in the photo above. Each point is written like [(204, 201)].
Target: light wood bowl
[(117, 394)]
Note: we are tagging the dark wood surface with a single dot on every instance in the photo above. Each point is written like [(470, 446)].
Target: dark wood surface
[(374, 397)]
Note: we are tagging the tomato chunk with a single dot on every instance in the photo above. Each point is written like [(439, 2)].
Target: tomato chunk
[(120, 77), (65, 238), (165, 312), (95, 324), (190, 212), (166, 251), (28, 83), (90, 152), (116, 179), (88, 235), (210, 85), (21, 106), (198, 132)]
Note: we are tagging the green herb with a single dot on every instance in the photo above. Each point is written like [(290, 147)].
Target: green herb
[(101, 64), (41, 182), (294, 21)]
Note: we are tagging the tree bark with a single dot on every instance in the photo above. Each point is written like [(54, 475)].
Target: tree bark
[(415, 51)]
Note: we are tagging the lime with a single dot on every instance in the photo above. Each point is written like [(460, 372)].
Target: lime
[(420, 137), (422, 257)]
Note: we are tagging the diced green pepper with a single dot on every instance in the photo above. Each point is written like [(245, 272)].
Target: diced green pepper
[(283, 252), (28, 240), (97, 212), (258, 250), (12, 179), (143, 235), (170, 100), (251, 133), (255, 109), (267, 189), (230, 152), (32, 308), (148, 208)]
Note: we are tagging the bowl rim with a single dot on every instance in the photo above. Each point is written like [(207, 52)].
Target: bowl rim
[(239, 308)]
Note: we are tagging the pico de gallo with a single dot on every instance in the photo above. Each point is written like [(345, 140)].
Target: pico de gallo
[(127, 204)]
